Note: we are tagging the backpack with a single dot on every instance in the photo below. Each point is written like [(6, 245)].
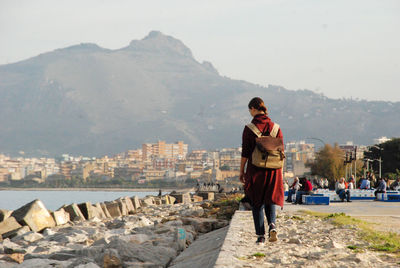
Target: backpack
[(268, 152)]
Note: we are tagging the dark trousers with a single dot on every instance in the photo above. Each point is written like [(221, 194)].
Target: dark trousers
[(379, 191), (290, 193), (258, 217), (343, 194), (299, 196)]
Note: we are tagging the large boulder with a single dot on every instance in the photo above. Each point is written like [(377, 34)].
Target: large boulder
[(60, 216), (182, 197), (74, 212), (100, 211), (90, 212), (35, 215), (8, 225), (113, 209), (17, 232), (122, 207), (196, 198), (128, 204), (135, 202), (105, 210), (206, 195), (4, 214), (147, 201)]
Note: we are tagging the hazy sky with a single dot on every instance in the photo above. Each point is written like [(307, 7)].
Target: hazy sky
[(338, 48)]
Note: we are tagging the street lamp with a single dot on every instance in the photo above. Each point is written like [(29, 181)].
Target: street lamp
[(380, 159)]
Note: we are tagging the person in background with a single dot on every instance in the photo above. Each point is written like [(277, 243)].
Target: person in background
[(365, 184), (305, 190), (286, 186), (395, 185), (326, 183), (381, 187), (293, 189), (341, 190), (351, 184)]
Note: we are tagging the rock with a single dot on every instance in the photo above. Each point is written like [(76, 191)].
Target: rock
[(88, 211), (157, 255), (41, 263), (8, 225), (61, 256), (111, 259), (206, 195), (114, 209), (139, 238), (193, 212), (48, 232), (29, 237), (75, 214), (157, 201), (15, 257), (332, 244), (35, 215), (171, 199), (99, 211), (201, 225), (87, 265), (182, 197), (196, 198), (4, 214), (105, 210), (147, 201), (83, 262), (19, 231), (180, 238), (294, 241), (125, 204), (10, 247), (135, 202), (60, 216)]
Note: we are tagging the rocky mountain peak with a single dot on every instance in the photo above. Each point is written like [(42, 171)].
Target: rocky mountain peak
[(158, 42)]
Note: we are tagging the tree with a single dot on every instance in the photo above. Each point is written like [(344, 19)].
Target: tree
[(329, 163), (390, 154)]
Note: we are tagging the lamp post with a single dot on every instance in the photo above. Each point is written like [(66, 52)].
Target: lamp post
[(380, 159)]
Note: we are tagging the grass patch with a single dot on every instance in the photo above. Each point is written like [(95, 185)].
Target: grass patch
[(294, 217), (379, 241), (258, 255)]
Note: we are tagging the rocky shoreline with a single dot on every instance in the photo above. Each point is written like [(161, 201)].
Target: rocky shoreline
[(127, 232)]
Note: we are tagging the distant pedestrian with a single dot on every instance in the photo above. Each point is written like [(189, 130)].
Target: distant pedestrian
[(263, 186)]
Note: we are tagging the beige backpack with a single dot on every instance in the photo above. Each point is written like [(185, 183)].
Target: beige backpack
[(268, 152)]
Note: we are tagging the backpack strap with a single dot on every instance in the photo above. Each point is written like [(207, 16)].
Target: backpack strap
[(274, 131), (254, 128)]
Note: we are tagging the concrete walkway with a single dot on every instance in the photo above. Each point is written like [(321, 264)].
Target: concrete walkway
[(355, 208)]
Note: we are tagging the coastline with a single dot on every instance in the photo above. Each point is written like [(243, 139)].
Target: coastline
[(91, 189)]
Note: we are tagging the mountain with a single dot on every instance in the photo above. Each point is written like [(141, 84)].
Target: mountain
[(90, 100)]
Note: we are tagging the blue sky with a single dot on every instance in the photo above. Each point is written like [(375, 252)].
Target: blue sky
[(338, 48)]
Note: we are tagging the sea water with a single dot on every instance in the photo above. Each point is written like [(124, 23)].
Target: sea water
[(53, 200)]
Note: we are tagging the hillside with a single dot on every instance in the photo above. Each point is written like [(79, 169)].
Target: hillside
[(90, 100)]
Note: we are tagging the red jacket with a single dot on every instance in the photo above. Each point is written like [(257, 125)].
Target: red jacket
[(262, 185)]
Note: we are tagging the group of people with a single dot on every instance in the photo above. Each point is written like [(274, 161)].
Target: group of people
[(299, 187), (302, 186)]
